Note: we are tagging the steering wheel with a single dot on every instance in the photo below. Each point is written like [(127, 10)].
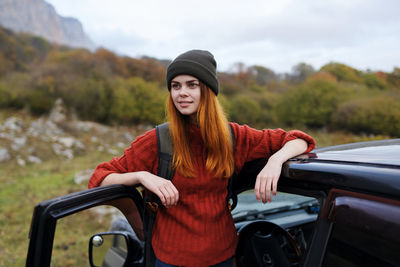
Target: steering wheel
[(263, 243)]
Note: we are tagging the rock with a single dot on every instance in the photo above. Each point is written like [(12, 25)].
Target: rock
[(67, 141), (40, 18), (18, 143), (87, 126), (4, 155), (79, 145), (128, 137), (59, 112), (13, 124), (83, 176), (21, 162), (34, 159), (112, 151), (60, 150), (121, 145), (45, 127)]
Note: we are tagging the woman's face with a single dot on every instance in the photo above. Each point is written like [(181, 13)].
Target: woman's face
[(186, 93)]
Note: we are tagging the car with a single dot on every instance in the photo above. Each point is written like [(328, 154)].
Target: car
[(336, 206)]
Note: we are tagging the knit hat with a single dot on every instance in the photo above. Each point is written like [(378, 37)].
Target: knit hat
[(198, 63)]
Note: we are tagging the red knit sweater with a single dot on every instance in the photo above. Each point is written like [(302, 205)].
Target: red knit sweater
[(199, 230)]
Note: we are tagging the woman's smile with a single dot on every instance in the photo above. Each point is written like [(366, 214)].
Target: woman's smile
[(185, 104)]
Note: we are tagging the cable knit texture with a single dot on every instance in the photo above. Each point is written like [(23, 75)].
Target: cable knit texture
[(199, 230)]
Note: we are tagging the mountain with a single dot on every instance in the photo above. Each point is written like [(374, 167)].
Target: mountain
[(40, 18)]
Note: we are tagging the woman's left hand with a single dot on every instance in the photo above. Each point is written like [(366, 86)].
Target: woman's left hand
[(267, 180)]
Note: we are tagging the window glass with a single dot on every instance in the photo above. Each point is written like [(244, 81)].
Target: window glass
[(70, 247), (249, 208), (364, 233), (295, 213), (352, 247)]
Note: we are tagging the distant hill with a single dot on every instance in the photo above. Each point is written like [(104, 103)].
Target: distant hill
[(40, 18)]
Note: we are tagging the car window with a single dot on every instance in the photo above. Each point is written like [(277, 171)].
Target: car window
[(365, 233), (70, 247), (288, 222), (248, 206)]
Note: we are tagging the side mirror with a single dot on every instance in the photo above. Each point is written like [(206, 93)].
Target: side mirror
[(114, 249)]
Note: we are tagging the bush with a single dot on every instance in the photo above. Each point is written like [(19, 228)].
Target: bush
[(93, 101), (374, 81), (343, 72), (138, 101), (311, 104), (245, 110), (40, 101), (371, 115)]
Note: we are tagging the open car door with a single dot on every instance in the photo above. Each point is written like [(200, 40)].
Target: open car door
[(48, 217)]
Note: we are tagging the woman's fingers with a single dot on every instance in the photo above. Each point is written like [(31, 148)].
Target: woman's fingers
[(257, 189), (275, 185), (268, 190), (267, 182), (170, 194), (163, 188)]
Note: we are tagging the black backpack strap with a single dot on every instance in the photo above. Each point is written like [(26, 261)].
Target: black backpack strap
[(165, 151), (231, 198), (152, 202)]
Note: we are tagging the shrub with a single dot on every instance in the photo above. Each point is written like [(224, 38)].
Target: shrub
[(95, 100), (343, 72), (374, 81), (138, 101), (311, 104), (245, 110), (40, 101), (370, 115)]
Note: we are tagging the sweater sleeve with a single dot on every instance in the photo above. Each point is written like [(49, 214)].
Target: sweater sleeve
[(251, 144), (142, 155)]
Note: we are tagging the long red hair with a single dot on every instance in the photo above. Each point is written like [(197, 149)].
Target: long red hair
[(215, 133)]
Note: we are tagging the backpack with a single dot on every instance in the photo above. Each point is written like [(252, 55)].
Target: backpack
[(165, 170)]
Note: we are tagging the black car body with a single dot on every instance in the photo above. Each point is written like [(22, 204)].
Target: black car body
[(343, 210)]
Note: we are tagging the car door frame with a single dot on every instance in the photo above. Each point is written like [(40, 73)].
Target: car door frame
[(46, 214)]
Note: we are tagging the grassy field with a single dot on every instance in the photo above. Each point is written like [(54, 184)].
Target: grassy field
[(23, 187)]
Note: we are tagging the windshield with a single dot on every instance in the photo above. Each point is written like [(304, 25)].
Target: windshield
[(248, 205)]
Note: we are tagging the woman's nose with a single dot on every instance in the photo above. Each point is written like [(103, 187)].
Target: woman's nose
[(184, 90)]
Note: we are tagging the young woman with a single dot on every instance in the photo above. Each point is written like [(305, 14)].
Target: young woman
[(195, 228)]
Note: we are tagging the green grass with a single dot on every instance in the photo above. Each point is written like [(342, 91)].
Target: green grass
[(323, 138), (24, 187)]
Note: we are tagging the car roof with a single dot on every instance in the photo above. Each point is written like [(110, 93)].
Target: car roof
[(382, 152), (365, 167)]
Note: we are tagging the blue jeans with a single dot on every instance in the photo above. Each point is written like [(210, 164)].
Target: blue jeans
[(226, 263)]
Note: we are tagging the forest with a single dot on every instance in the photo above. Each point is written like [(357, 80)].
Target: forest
[(119, 90)]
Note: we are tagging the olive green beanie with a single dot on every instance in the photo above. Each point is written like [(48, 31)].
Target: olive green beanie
[(198, 63)]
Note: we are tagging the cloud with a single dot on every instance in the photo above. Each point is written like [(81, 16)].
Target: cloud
[(276, 34)]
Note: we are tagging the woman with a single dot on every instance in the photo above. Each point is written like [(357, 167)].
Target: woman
[(196, 228)]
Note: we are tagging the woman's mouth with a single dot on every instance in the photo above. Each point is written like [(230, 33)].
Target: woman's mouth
[(184, 104)]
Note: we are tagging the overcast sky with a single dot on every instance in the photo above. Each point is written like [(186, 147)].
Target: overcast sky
[(279, 34)]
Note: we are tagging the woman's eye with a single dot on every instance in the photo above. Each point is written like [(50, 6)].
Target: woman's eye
[(176, 86), (193, 85)]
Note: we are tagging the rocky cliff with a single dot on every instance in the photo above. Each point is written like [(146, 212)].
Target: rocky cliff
[(40, 18)]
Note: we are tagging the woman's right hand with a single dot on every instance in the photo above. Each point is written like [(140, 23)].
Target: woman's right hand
[(163, 188)]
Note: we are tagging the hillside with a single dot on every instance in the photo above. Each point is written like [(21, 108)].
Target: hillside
[(27, 140), (40, 18), (104, 87)]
